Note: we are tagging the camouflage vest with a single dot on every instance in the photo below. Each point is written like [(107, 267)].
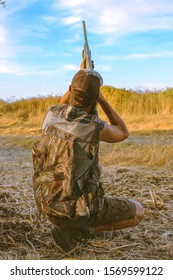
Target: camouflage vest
[(66, 170)]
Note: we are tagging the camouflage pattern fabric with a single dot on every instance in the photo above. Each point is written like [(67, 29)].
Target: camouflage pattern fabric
[(66, 170)]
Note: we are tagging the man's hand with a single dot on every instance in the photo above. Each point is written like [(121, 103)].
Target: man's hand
[(65, 97), (100, 96), (83, 64)]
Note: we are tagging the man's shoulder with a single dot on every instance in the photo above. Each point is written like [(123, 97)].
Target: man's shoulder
[(97, 120), (58, 107)]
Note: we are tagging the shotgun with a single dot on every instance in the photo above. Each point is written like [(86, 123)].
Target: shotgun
[(86, 53)]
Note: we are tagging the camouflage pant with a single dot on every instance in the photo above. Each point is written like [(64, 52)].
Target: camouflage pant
[(113, 210)]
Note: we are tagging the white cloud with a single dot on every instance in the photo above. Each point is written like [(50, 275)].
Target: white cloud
[(137, 56), (13, 6), (104, 68), (49, 19), (70, 3), (71, 67), (5, 49), (71, 20), (118, 16), (2, 36), (46, 73), (72, 40), (9, 46), (7, 67)]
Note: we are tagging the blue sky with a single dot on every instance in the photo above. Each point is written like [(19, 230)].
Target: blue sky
[(41, 43)]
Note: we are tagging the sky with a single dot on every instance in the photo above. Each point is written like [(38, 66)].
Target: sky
[(41, 44)]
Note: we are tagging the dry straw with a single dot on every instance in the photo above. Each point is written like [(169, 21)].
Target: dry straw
[(24, 237)]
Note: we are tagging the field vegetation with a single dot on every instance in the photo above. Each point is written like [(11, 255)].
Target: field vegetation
[(139, 168), (150, 110)]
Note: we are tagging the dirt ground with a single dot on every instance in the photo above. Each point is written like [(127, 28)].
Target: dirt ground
[(24, 237)]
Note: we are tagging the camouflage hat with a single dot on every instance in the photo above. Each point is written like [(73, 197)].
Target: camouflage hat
[(85, 87)]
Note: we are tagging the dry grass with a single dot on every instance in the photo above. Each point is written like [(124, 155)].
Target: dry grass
[(154, 155), (32, 126), (149, 122), (15, 126), (140, 168)]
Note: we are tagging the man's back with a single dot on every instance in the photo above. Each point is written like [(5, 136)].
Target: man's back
[(66, 179)]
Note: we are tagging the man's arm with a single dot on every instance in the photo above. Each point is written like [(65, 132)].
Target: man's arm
[(65, 97), (116, 131)]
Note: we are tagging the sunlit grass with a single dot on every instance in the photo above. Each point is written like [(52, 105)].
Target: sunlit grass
[(153, 155), (11, 124), (149, 150), (147, 111)]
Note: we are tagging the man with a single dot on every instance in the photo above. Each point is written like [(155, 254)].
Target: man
[(66, 181)]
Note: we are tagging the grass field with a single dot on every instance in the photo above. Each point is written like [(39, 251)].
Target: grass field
[(12, 125), (149, 111), (140, 168)]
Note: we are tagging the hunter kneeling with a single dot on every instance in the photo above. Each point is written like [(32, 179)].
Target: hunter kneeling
[(67, 186)]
